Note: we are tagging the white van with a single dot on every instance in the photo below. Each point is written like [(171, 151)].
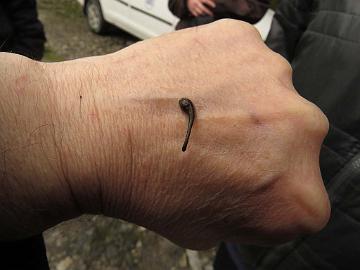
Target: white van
[(141, 18)]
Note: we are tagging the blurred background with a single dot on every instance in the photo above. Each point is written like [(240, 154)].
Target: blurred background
[(96, 242)]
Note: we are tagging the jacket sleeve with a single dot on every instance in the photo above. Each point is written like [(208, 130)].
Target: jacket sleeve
[(289, 23), (29, 253), (179, 8), (29, 36), (258, 9)]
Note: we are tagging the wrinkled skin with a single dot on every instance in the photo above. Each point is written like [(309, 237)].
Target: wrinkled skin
[(104, 135)]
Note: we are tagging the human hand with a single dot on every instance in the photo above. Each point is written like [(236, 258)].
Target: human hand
[(251, 171), (97, 136), (201, 7)]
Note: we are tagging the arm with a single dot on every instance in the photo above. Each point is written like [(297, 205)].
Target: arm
[(29, 36), (91, 136), (289, 23)]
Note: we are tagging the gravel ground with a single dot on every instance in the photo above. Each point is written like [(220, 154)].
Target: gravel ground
[(68, 34), (96, 242)]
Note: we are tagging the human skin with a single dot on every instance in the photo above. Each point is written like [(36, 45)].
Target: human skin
[(103, 135), (201, 7)]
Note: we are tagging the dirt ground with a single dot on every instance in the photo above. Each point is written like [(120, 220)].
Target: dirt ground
[(96, 242)]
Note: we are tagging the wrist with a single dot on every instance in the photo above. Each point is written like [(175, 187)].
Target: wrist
[(96, 131), (34, 193)]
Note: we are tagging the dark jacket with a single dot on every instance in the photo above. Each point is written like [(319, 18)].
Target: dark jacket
[(321, 39), (246, 10), (26, 254), (20, 30)]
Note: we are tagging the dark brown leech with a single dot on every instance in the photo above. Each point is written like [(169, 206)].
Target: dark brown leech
[(188, 107)]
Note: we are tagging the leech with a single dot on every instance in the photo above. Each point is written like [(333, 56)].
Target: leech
[(188, 107)]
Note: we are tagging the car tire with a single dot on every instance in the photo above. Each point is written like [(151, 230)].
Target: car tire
[(95, 18)]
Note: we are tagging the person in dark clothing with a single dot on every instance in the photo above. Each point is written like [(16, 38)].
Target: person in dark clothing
[(198, 12), (321, 39), (20, 30), (29, 253)]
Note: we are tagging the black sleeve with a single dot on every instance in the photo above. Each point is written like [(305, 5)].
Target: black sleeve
[(23, 254), (28, 32), (289, 23), (179, 8), (258, 9)]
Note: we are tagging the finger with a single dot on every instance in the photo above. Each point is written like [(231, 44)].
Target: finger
[(210, 3), (205, 10), (198, 11), (193, 11)]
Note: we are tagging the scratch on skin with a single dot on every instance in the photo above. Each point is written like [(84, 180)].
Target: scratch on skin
[(80, 104), (38, 128)]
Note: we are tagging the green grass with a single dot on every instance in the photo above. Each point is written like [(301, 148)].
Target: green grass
[(51, 56), (65, 8)]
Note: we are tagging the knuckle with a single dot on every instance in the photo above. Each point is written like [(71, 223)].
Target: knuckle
[(236, 25), (305, 214), (283, 66), (300, 117), (319, 221), (314, 212), (237, 31), (227, 23), (309, 201), (316, 122), (322, 120)]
